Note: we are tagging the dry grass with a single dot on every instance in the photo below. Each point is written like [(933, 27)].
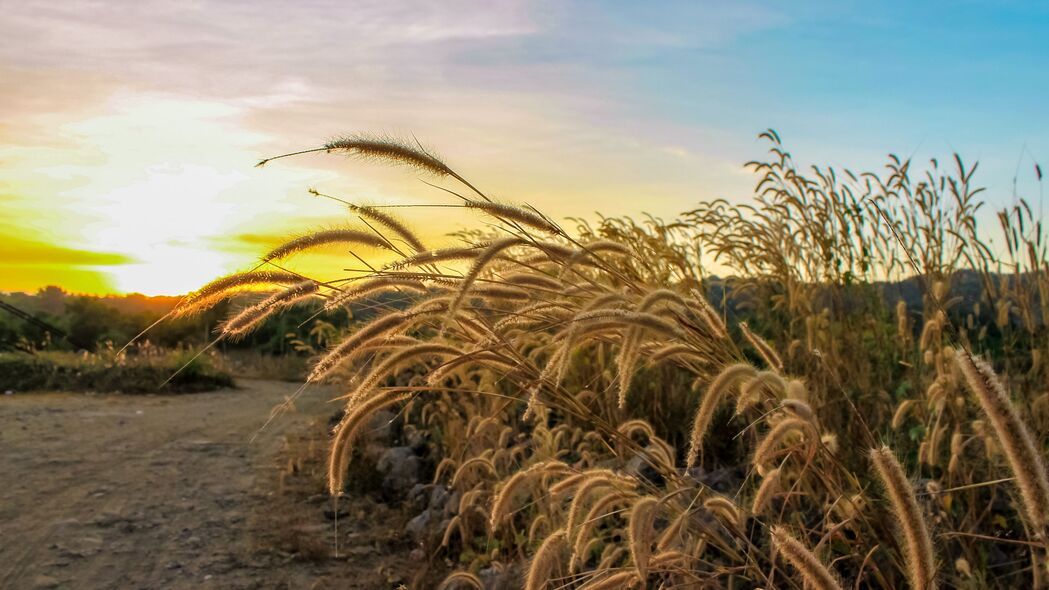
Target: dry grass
[(578, 386)]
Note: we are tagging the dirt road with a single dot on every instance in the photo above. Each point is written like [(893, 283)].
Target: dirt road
[(143, 491)]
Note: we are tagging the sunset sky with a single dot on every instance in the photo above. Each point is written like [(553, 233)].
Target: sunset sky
[(129, 130)]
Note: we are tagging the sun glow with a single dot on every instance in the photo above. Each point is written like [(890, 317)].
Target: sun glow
[(128, 135), (159, 183)]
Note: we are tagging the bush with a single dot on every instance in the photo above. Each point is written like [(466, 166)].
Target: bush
[(102, 373)]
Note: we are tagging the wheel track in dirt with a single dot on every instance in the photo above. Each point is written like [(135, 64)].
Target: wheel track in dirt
[(72, 500), (139, 481)]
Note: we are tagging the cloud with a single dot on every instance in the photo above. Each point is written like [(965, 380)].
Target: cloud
[(74, 280), (16, 251), (242, 47), (132, 127), (27, 264)]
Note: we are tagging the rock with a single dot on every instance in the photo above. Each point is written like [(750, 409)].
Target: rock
[(311, 528), (721, 480), (439, 498), (334, 514), (416, 439), (380, 427), (419, 497), (499, 575), (82, 547), (370, 452), (108, 518), (45, 582), (417, 527), (451, 505), (401, 469)]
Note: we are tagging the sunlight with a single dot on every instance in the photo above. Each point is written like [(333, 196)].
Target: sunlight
[(172, 269), (525, 294), (166, 179)]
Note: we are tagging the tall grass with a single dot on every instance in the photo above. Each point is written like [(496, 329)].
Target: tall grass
[(588, 392)]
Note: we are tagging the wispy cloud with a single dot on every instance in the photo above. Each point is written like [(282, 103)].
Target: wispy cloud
[(18, 251), (131, 128)]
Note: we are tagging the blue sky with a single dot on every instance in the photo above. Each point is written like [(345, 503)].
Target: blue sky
[(129, 130)]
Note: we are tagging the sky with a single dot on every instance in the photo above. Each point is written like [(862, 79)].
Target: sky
[(129, 130)]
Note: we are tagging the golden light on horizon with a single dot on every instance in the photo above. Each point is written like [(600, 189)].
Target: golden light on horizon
[(159, 194), (128, 163), (159, 185), (128, 134)]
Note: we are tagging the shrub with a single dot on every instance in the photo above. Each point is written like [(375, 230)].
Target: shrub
[(67, 371)]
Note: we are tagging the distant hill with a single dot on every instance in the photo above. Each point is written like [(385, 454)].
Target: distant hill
[(117, 318)]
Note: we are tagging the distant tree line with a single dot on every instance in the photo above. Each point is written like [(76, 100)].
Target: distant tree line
[(92, 322)]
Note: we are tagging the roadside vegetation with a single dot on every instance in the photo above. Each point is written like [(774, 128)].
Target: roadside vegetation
[(864, 401), (55, 340), (156, 371)]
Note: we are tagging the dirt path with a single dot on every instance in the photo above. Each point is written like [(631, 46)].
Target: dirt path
[(143, 491)]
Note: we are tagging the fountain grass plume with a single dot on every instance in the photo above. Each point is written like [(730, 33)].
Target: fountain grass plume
[(374, 285), (641, 532), (219, 289), (346, 432), (527, 217), (724, 382), (1014, 436), (252, 316), (545, 561), (385, 149), (390, 222), (327, 237), (378, 148), (918, 547), (376, 328), (812, 570)]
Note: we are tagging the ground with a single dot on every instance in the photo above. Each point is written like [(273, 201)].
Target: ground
[(105, 491)]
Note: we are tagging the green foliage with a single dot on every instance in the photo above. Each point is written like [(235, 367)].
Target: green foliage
[(108, 373), (92, 323)]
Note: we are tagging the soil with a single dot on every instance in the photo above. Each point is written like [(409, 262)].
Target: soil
[(108, 491)]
